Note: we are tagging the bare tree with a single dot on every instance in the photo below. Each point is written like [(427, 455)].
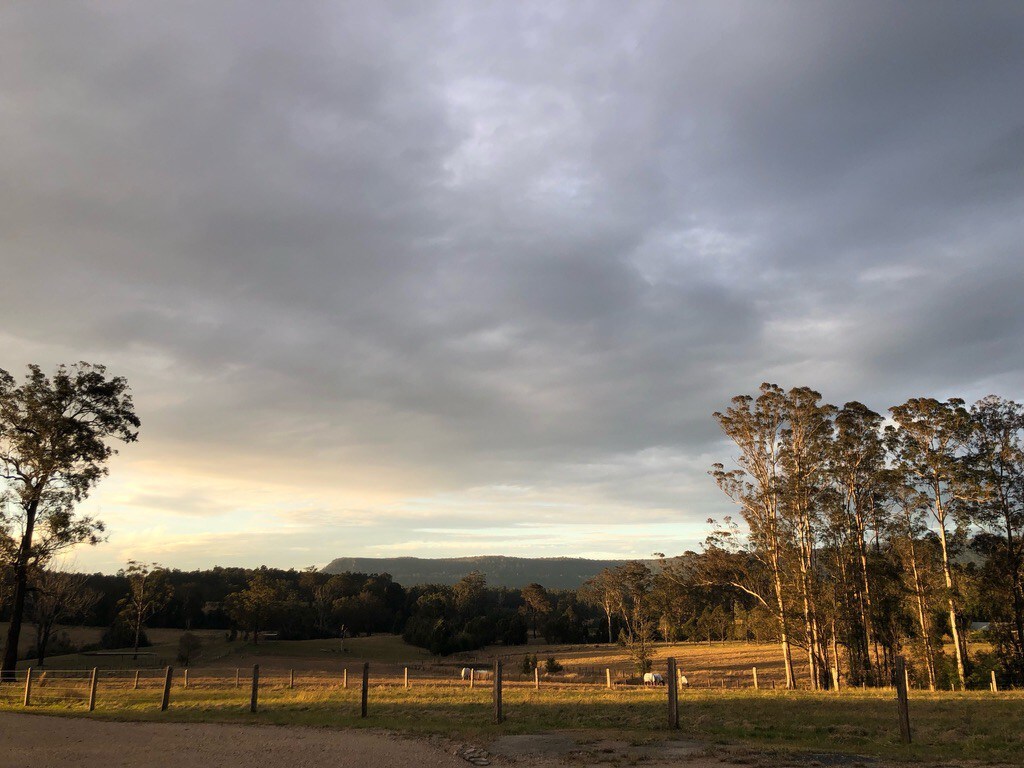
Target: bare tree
[(604, 590), (57, 597), (148, 593)]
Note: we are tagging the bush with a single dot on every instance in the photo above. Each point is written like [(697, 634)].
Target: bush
[(551, 666), (120, 635), (188, 647)]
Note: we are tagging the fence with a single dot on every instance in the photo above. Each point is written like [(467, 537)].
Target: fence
[(148, 689)]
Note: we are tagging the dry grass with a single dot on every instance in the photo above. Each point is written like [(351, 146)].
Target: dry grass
[(972, 725), (975, 725)]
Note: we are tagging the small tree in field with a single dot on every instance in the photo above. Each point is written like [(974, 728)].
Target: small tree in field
[(637, 635), (57, 597), (55, 435), (148, 593), (188, 646)]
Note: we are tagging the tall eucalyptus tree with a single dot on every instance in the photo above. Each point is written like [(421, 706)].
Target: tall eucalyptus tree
[(55, 440)]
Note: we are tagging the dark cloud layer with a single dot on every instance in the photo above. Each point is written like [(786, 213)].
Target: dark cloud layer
[(464, 246)]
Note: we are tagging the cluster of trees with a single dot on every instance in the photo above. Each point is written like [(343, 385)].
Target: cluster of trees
[(464, 616), (878, 535)]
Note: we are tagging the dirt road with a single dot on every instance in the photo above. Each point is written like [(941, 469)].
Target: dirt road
[(35, 741)]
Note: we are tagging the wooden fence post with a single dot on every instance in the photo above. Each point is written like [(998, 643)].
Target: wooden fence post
[(135, 685), (995, 685), (608, 678), (673, 694), (366, 689), (472, 676), (291, 678), (406, 678), (755, 678), (186, 678), (165, 699), (255, 693), (236, 678), (92, 690), (901, 699), (28, 687), (499, 715), (536, 678)]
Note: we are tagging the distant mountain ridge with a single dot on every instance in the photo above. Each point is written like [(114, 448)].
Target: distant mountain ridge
[(500, 571)]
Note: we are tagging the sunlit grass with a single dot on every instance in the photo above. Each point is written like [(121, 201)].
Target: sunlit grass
[(974, 725)]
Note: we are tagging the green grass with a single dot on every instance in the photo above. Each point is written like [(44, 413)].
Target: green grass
[(975, 725)]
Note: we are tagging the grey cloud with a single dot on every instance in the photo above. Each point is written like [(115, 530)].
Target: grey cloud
[(520, 243)]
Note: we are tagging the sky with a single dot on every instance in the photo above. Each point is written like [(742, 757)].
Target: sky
[(446, 279)]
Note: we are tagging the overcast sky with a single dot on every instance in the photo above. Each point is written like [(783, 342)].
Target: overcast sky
[(465, 278)]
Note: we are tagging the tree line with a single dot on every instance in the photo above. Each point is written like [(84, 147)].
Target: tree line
[(868, 536)]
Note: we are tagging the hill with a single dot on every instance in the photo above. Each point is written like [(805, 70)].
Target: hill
[(500, 571)]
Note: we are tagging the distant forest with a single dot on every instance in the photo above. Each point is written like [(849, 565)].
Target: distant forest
[(500, 570)]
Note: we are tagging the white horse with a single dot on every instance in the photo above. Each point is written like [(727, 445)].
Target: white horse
[(653, 678), (478, 674)]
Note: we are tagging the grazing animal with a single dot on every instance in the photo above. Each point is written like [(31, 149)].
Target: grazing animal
[(683, 681), (478, 674), (653, 678)]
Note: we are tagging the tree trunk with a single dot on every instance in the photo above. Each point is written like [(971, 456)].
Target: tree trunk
[(787, 657), (1014, 562), (43, 631), (10, 660), (929, 656), (947, 571), (865, 606)]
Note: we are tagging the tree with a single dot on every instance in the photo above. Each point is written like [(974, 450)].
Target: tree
[(57, 596), (603, 591), (997, 453), (755, 426), (537, 603), (188, 647), (912, 506), (806, 445), (929, 441), (55, 441), (469, 593), (148, 593), (636, 606), (857, 465), (254, 606)]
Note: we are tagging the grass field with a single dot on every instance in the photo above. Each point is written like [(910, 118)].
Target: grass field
[(963, 726), (977, 725)]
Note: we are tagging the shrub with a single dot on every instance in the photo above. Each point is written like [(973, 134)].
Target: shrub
[(188, 647)]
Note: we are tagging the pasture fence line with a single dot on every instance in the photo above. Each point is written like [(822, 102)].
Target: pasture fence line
[(110, 689)]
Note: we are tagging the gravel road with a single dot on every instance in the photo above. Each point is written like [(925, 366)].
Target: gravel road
[(37, 741)]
